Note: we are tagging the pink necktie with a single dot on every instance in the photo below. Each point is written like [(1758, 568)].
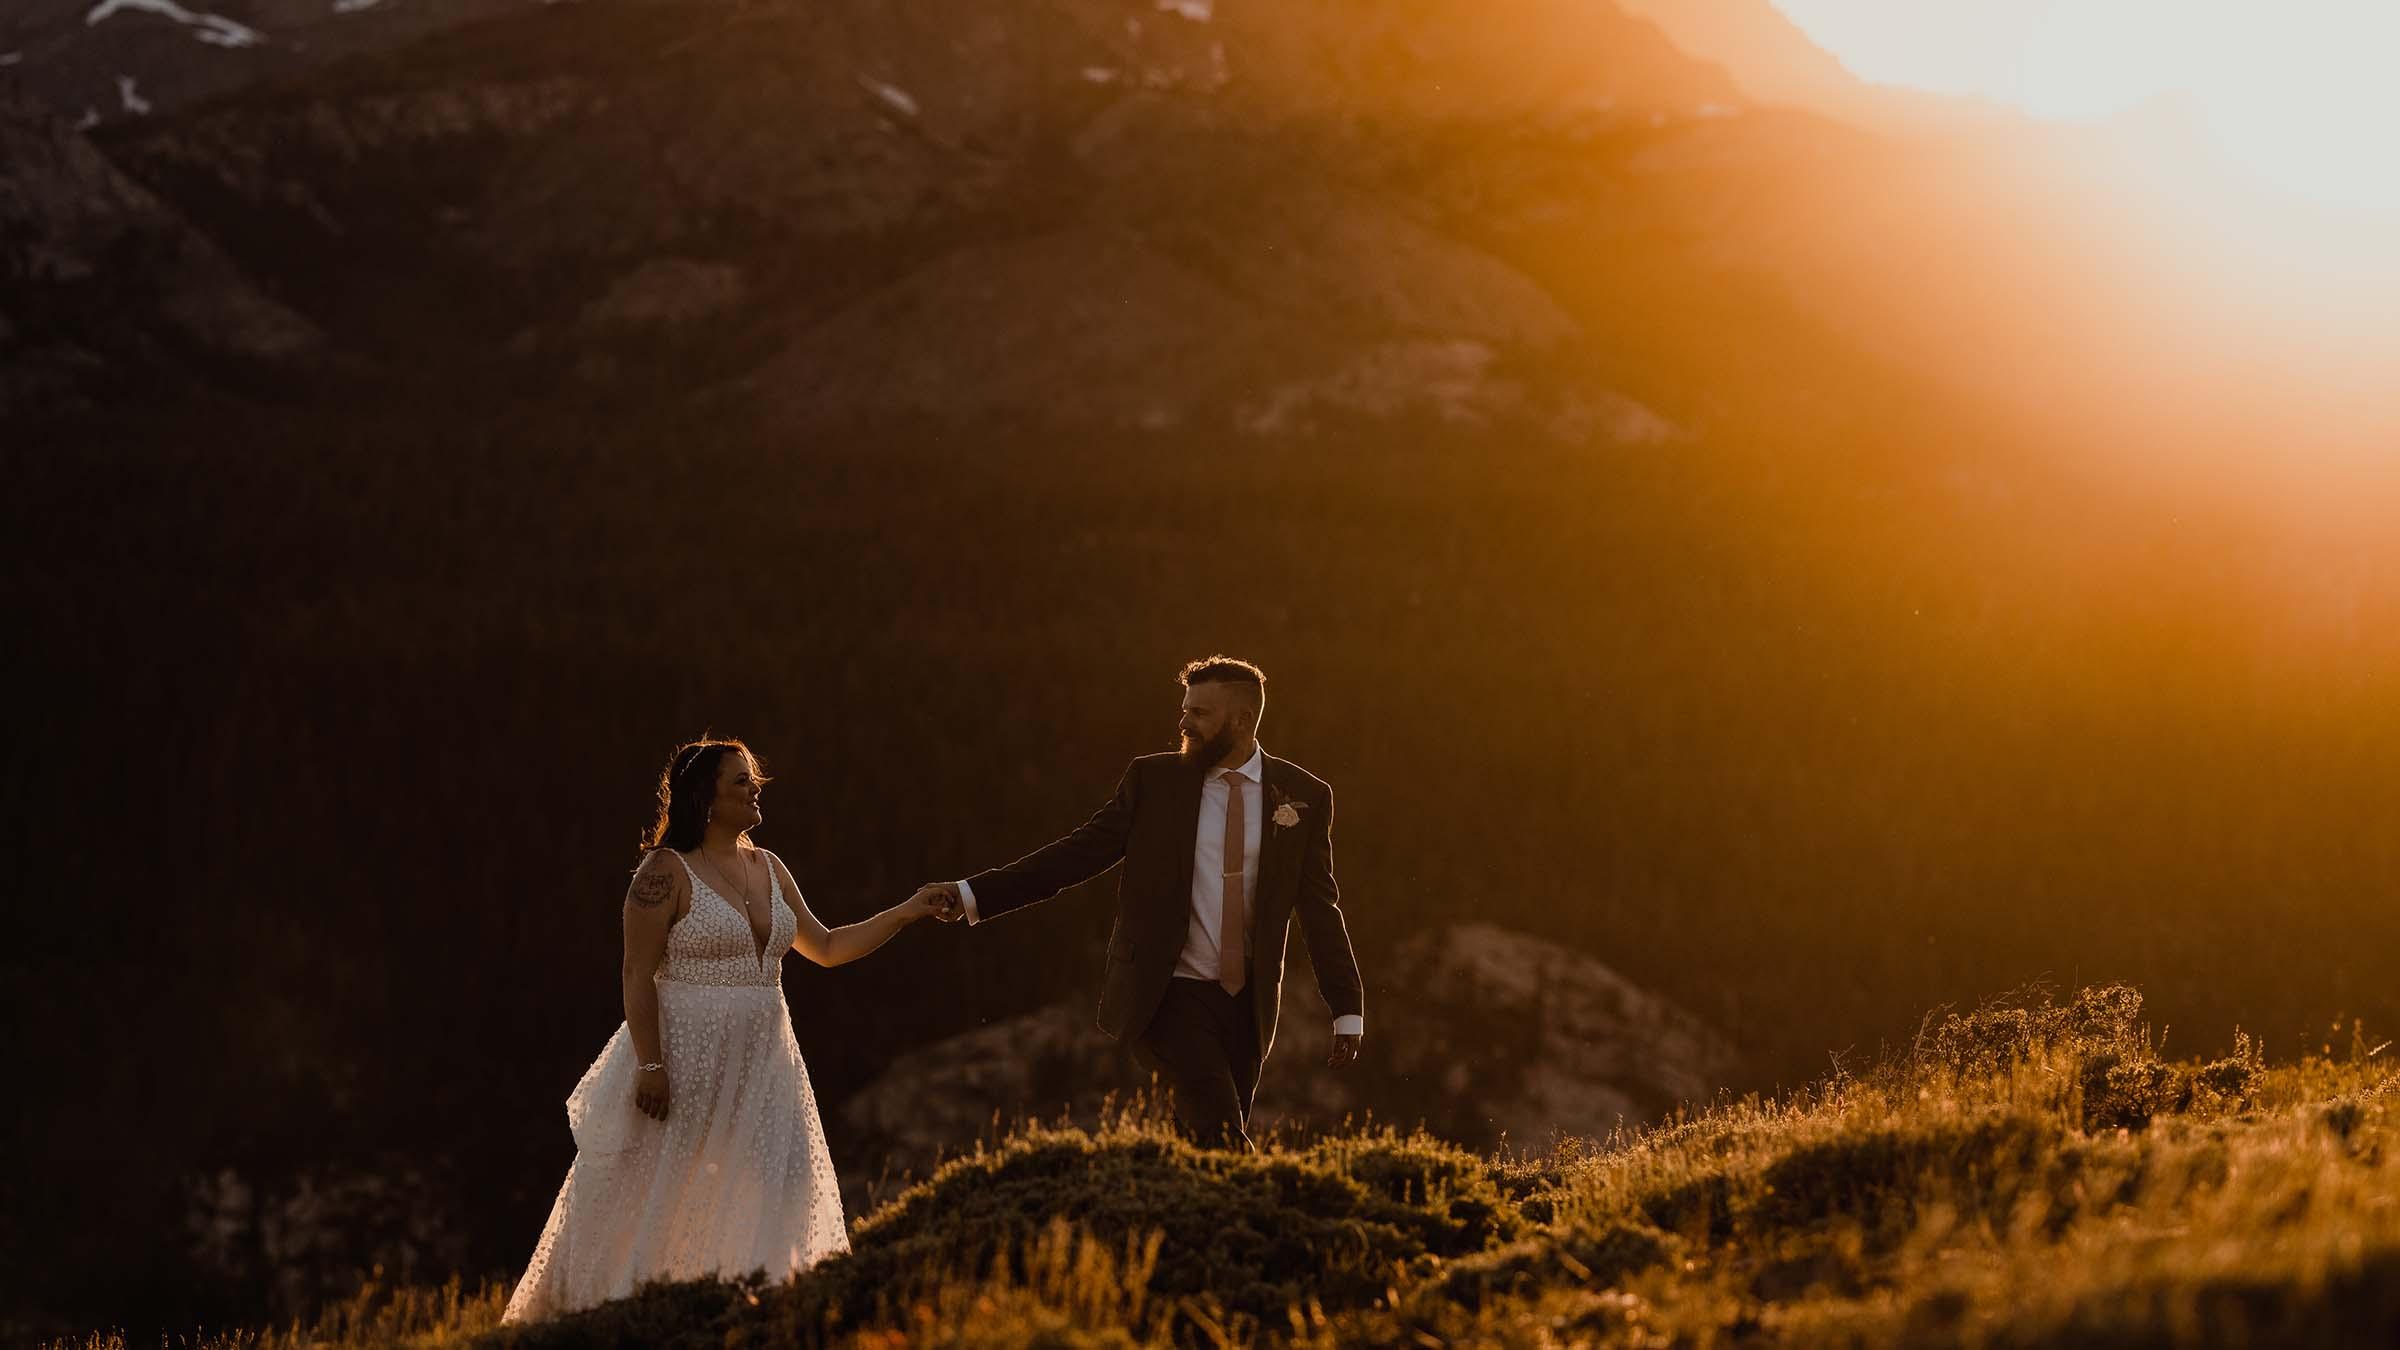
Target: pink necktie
[(1233, 925)]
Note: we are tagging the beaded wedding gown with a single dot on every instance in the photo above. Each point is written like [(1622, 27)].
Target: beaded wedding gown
[(736, 1177)]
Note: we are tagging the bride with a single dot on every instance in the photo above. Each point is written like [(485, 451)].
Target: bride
[(698, 1150)]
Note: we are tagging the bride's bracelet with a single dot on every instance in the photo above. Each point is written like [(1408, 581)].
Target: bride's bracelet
[(653, 1068)]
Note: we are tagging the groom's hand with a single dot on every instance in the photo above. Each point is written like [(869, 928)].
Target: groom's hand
[(1345, 1050), (943, 900)]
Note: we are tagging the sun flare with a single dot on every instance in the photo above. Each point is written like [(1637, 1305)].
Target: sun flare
[(2297, 94)]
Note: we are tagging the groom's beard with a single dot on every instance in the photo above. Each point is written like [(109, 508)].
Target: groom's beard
[(1210, 751)]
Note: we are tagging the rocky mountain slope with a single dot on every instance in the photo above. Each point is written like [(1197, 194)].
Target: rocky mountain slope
[(99, 276), (1118, 213), (1186, 212), (1528, 1042), (96, 61)]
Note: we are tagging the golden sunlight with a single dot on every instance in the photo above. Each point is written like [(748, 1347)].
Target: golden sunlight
[(2296, 93)]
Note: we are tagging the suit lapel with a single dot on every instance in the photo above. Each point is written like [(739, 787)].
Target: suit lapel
[(1275, 853), (1184, 801)]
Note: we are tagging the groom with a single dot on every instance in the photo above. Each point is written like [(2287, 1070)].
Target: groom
[(1223, 845)]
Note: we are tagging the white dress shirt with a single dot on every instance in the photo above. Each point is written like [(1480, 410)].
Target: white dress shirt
[(1204, 937), (1198, 960)]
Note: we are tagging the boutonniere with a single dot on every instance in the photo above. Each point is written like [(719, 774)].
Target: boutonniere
[(1287, 811)]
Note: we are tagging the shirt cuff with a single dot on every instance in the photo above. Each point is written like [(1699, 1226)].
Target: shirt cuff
[(1350, 1024), (966, 896)]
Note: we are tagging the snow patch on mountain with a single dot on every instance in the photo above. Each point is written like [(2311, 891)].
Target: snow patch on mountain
[(896, 98), (130, 97), (1198, 11), (353, 6), (214, 29)]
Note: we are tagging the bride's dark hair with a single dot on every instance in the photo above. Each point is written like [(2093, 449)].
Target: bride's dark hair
[(687, 787)]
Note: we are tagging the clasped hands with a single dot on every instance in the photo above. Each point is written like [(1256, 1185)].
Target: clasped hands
[(940, 900)]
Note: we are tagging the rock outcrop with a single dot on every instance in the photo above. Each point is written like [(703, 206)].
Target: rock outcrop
[(1487, 1036)]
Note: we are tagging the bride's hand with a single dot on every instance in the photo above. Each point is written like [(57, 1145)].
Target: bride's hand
[(650, 1093), (930, 902)]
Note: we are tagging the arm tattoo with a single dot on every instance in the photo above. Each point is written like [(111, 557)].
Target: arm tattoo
[(652, 889)]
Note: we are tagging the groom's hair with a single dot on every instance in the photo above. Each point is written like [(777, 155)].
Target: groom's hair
[(1227, 670)]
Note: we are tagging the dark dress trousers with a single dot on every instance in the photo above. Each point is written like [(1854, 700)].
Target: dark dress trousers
[(1207, 1042)]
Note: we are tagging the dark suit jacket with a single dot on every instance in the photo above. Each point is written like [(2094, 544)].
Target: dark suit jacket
[(1150, 825)]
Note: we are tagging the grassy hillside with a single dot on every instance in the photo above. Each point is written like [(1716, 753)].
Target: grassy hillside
[(2033, 1173)]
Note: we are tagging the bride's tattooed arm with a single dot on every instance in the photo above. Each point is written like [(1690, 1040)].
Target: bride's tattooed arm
[(651, 888), (653, 900)]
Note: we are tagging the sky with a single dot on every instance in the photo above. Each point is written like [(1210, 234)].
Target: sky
[(2297, 90)]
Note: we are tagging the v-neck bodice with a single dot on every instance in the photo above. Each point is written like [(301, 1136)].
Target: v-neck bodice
[(715, 944)]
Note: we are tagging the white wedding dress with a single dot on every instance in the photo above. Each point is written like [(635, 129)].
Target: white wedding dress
[(736, 1178)]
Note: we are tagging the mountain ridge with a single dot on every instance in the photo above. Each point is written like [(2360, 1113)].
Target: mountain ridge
[(516, 151)]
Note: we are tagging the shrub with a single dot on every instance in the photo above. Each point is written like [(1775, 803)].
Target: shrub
[(683, 1315), (2027, 1025), (1879, 1178), (2230, 1084), (1597, 1256), (2124, 1094), (1242, 1237)]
